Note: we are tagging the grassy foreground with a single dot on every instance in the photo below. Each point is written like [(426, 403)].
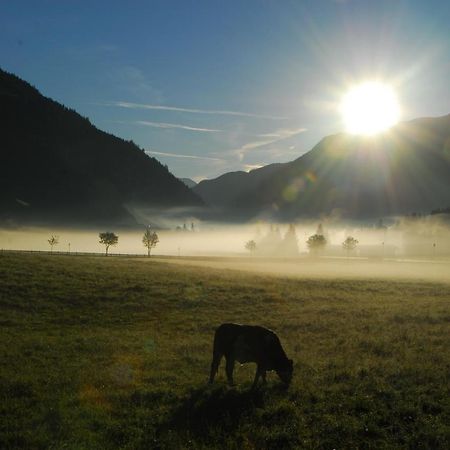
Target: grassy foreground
[(115, 353)]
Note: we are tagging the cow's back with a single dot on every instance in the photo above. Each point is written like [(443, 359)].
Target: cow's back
[(248, 343)]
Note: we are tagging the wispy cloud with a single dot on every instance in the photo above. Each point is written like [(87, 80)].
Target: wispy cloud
[(191, 110), (176, 126), (177, 155), (268, 139), (132, 81)]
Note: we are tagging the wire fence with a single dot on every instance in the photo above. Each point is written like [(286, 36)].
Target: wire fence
[(445, 259), (73, 253)]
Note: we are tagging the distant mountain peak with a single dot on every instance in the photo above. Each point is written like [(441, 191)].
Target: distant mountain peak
[(188, 182), (400, 171)]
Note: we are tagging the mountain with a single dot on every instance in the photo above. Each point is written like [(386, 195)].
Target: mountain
[(404, 170), (58, 167), (222, 192), (188, 182)]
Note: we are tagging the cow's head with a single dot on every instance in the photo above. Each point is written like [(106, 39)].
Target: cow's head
[(285, 371)]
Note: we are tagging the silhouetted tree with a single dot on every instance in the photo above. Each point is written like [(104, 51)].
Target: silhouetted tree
[(54, 240), (349, 244), (440, 211), (108, 238), (270, 244), (316, 242), (150, 239), (250, 246), (289, 246), (319, 230)]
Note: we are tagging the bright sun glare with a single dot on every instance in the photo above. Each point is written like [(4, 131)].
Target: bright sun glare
[(370, 108)]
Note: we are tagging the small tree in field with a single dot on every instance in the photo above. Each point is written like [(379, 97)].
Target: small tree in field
[(250, 246), (108, 238), (54, 240), (349, 244), (150, 239), (316, 242)]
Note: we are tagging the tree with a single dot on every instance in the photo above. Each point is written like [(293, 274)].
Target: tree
[(250, 246), (150, 239), (54, 240), (289, 246), (316, 242), (270, 244), (320, 230), (108, 238), (349, 244)]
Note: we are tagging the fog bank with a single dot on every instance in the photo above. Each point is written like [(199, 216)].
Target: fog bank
[(413, 237)]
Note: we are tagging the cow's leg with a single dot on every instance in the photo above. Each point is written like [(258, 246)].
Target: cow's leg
[(263, 375), (215, 366), (229, 368), (260, 372)]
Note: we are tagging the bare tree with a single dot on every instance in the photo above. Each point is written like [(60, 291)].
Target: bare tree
[(54, 240), (108, 238), (150, 239), (349, 244), (250, 246)]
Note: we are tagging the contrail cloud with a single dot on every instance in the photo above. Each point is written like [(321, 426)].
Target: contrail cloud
[(177, 155), (192, 110), (175, 126), (269, 138)]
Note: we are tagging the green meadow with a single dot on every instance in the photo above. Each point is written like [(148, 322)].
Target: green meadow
[(101, 353)]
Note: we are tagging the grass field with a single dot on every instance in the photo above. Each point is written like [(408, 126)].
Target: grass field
[(114, 353)]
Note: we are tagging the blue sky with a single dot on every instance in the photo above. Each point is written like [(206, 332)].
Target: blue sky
[(213, 86)]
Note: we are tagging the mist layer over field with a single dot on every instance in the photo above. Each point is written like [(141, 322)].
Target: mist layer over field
[(327, 268), (414, 249), (426, 238)]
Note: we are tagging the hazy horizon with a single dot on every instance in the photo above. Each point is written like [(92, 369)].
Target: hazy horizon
[(427, 236)]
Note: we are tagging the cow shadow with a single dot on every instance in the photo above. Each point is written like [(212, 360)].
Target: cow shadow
[(209, 408)]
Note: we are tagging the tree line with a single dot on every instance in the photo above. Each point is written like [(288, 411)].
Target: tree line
[(273, 243), (109, 239)]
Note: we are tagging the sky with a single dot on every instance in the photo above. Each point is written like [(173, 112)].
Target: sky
[(209, 87)]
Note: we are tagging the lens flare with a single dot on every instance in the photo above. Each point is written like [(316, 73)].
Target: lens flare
[(370, 108)]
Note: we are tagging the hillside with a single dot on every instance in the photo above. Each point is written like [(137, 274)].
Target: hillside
[(58, 167), (404, 170), (188, 182), (223, 191)]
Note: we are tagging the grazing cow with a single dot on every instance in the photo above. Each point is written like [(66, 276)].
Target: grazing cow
[(248, 343)]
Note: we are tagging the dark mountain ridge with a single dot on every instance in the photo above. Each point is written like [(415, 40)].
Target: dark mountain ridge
[(58, 167), (222, 191), (403, 170), (188, 182)]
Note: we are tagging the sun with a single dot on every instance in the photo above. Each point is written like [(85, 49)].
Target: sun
[(370, 108)]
